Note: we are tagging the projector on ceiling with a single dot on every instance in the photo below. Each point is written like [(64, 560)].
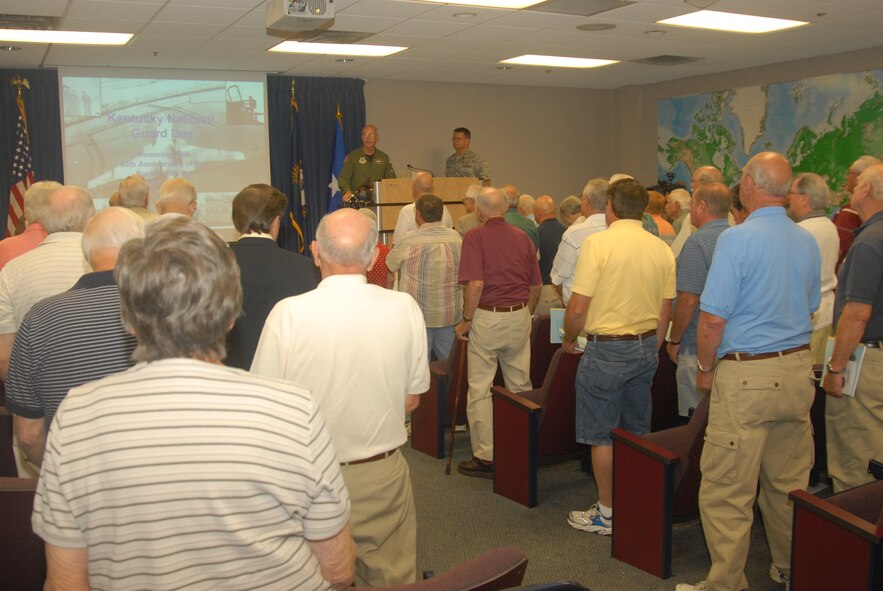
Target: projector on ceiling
[(299, 15)]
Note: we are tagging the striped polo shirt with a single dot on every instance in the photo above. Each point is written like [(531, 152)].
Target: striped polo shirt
[(180, 473)]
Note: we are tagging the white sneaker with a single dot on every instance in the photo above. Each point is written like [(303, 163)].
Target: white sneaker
[(591, 521), (700, 586), (780, 576)]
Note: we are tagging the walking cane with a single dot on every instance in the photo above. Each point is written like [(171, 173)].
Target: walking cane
[(456, 387)]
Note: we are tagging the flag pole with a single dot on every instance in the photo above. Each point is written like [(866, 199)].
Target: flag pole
[(22, 169)]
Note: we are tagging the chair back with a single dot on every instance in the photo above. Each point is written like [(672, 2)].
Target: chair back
[(557, 423), (502, 568), (456, 383), (22, 557), (541, 349), (7, 456)]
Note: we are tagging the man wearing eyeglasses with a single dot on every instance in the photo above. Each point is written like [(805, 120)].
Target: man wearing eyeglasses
[(364, 165), (464, 162)]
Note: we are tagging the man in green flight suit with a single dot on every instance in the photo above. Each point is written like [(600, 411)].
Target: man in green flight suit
[(364, 165)]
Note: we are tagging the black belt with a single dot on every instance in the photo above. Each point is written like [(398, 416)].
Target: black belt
[(757, 356), (621, 337), (511, 308), (873, 344), (376, 458)]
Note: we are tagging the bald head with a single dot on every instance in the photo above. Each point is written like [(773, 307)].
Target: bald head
[(766, 180), (492, 203), (68, 209), (345, 243), (421, 185), (511, 194), (544, 209), (706, 174)]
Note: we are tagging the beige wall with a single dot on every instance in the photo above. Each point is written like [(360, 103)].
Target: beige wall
[(544, 140), (636, 116), (552, 140)]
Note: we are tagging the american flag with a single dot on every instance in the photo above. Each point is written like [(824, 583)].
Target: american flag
[(22, 173)]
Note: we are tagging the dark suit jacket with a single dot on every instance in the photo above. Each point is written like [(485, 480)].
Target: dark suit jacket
[(269, 274)]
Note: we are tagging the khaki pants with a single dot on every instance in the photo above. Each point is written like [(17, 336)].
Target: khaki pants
[(855, 426), (758, 429), (495, 336), (383, 521)]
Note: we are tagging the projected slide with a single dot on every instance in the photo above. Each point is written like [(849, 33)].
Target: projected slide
[(211, 132)]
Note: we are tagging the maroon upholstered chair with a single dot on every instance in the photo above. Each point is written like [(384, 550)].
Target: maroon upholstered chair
[(7, 456), (22, 557), (838, 542), (536, 424), (655, 483), (502, 568), (436, 411), (541, 349)]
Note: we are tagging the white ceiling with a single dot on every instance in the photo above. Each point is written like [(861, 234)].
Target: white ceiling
[(230, 35)]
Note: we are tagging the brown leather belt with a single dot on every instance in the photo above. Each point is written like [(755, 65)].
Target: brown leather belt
[(757, 356), (376, 458), (621, 337), (873, 344), (511, 308)]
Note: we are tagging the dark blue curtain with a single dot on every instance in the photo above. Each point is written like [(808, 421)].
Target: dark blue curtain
[(317, 100), (44, 127)]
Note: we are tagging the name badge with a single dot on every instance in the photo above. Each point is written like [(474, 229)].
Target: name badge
[(378, 161)]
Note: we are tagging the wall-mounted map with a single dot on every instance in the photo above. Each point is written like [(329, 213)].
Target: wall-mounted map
[(822, 124)]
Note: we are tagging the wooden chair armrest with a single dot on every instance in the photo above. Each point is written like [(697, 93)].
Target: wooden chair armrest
[(643, 446), (836, 515), (517, 400)]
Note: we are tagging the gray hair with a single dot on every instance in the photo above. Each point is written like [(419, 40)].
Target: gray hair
[(708, 174), (111, 228), (571, 205), (177, 189), (35, 200), (682, 198), (766, 177), (873, 175), (595, 192), (526, 201), (864, 162), (179, 290), (338, 237), (133, 191), (68, 209), (472, 192), (492, 202), (814, 187)]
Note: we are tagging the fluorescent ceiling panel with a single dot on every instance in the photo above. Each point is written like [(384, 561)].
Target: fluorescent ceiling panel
[(64, 37), (513, 4), (558, 62), (337, 48), (732, 22)]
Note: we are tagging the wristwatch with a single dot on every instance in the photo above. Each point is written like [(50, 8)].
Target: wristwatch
[(703, 369), (835, 372), (671, 342)]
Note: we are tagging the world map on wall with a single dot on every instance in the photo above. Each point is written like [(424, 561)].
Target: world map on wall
[(821, 124)]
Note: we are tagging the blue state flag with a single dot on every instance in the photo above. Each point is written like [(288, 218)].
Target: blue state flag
[(336, 201)]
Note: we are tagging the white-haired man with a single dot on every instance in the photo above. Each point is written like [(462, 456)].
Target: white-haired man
[(135, 195), (470, 219), (177, 195), (35, 233), (71, 338), (847, 219), (677, 208), (375, 376)]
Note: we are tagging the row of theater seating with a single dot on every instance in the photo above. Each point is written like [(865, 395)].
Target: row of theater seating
[(656, 477)]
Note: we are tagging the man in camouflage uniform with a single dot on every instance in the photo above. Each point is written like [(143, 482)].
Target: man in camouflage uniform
[(464, 162)]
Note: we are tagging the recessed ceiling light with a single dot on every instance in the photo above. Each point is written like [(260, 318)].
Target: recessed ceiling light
[(504, 67), (596, 27), (64, 37), (344, 60), (10, 48), (489, 3), (465, 14), (557, 61), (337, 48), (731, 21), (654, 33)]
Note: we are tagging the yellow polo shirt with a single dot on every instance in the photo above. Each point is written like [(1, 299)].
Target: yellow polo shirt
[(627, 272)]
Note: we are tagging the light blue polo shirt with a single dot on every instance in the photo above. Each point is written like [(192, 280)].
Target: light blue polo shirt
[(764, 281)]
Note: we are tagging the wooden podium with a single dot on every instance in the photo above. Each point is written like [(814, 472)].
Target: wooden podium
[(396, 193)]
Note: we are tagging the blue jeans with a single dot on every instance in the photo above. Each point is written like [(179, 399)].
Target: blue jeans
[(613, 388), (439, 340)]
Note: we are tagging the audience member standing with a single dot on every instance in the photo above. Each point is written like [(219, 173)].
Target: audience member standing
[(407, 220), (361, 352), (514, 218), (268, 273), (499, 268), (428, 261), (708, 213), (180, 472), (177, 195), (655, 208), (702, 175), (847, 219), (470, 219), (677, 206), (550, 231), (761, 290), (35, 233), (622, 292), (855, 424), (135, 195)]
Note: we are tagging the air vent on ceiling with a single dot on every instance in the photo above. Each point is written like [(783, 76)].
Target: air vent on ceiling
[(667, 60), (579, 7), (25, 21), (325, 36)]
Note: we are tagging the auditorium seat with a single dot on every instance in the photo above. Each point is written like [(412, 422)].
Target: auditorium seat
[(838, 541), (655, 483), (531, 425), (541, 349), (501, 568), (7, 456), (664, 392), (22, 558), (436, 410)]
